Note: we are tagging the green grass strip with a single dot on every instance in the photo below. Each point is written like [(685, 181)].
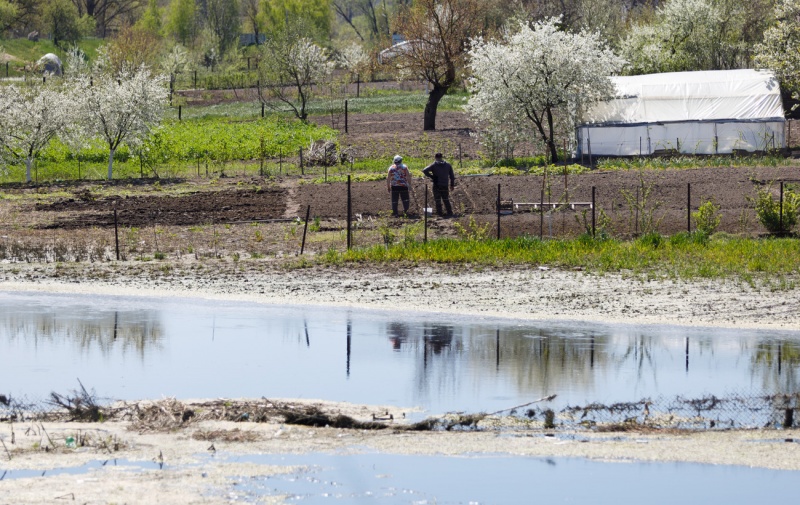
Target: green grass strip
[(681, 256)]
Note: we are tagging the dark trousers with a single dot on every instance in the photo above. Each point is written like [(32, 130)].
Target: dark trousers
[(442, 194), (401, 193)]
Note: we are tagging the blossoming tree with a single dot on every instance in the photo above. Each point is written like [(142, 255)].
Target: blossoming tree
[(30, 117), (289, 68), (780, 50), (539, 78), (121, 108)]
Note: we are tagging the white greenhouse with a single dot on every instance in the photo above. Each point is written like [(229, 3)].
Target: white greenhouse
[(712, 112)]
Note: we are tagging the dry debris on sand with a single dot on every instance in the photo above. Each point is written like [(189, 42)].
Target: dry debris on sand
[(180, 447)]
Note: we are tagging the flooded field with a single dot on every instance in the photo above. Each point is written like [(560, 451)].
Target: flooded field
[(389, 479), (136, 348), (145, 348)]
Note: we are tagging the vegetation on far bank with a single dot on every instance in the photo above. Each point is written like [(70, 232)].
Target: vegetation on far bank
[(684, 255)]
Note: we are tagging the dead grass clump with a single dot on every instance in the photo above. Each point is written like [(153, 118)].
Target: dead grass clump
[(164, 415), (314, 417), (235, 435), (81, 404), (450, 423)]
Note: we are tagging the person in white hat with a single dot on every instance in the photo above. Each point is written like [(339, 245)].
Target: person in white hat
[(398, 180)]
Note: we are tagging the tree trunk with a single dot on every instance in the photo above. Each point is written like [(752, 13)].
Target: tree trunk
[(28, 165), (434, 97), (551, 146), (551, 141), (110, 162)]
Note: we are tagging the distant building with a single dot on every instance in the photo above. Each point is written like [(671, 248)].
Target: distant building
[(707, 112)]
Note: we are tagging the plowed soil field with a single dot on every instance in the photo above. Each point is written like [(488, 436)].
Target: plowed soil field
[(625, 201)]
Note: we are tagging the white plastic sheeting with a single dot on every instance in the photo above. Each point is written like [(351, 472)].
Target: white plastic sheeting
[(688, 112)]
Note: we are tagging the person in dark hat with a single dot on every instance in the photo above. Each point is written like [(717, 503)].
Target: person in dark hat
[(441, 173)]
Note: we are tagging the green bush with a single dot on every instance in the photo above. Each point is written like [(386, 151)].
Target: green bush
[(707, 218), (652, 239), (768, 210)]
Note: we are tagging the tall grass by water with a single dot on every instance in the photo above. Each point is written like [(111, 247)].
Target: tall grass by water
[(684, 255)]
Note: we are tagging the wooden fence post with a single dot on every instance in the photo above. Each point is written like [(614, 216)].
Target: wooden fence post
[(302, 170)]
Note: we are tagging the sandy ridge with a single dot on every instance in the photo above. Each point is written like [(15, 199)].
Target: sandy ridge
[(515, 292)]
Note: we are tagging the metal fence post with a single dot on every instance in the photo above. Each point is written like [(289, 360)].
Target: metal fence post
[(305, 229), (780, 225), (689, 207), (116, 233), (498, 212), (593, 214), (349, 215), (425, 217)]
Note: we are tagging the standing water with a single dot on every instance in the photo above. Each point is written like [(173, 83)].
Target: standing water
[(137, 348)]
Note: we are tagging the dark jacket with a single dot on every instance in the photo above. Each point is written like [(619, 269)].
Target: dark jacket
[(440, 172)]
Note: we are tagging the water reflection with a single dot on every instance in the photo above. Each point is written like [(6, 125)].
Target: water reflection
[(145, 348), (774, 362), (399, 479), (134, 330)]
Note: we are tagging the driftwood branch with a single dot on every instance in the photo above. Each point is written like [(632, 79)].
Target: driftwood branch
[(545, 399)]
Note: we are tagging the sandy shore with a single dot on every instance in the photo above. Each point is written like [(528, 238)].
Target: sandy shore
[(188, 477), (540, 293)]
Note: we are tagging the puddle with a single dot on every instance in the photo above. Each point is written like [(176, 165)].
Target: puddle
[(81, 469), (395, 479), (134, 348)]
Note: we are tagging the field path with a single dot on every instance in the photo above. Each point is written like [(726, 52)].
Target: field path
[(292, 204)]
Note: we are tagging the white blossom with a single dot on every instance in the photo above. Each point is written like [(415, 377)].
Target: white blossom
[(121, 109), (689, 35), (353, 58), (176, 60), (290, 68), (30, 117), (538, 80), (76, 62), (780, 50)]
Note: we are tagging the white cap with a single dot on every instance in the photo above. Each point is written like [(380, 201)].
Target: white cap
[(398, 159)]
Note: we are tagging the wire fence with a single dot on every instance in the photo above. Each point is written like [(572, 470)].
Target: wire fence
[(736, 411), (258, 219)]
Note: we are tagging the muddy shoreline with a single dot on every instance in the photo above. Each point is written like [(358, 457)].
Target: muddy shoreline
[(516, 292)]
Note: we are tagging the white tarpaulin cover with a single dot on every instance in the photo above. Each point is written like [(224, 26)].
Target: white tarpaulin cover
[(690, 112)]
